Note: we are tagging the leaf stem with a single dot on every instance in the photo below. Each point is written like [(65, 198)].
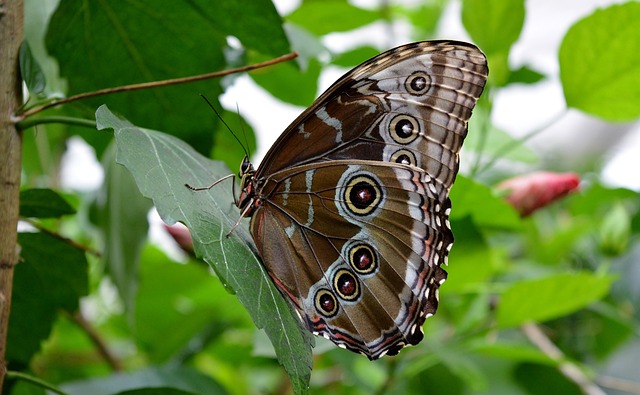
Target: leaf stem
[(35, 381), (28, 123), (155, 84)]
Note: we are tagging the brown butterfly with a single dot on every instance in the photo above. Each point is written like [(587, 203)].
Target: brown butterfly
[(350, 207)]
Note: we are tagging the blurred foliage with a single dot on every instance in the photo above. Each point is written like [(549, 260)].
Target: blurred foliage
[(98, 309)]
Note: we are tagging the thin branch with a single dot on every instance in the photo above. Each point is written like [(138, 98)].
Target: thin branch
[(619, 384), (156, 84), (569, 369), (67, 240), (97, 340)]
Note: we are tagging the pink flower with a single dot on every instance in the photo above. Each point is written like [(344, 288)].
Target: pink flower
[(181, 235), (533, 191)]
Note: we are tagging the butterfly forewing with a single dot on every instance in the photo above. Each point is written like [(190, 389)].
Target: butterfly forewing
[(350, 206)]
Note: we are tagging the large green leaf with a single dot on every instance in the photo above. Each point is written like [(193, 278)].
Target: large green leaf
[(51, 276), (599, 59), (161, 165), (111, 43), (550, 297)]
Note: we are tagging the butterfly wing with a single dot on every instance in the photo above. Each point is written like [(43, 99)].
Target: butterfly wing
[(352, 204), (359, 255), (408, 105)]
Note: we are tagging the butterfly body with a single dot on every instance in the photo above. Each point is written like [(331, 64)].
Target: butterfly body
[(349, 209)]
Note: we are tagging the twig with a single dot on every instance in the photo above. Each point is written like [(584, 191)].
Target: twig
[(156, 84), (95, 337), (569, 369), (619, 384)]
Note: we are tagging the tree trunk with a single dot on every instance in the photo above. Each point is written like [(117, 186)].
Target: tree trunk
[(11, 34)]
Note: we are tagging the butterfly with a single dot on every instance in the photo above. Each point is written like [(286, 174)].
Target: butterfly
[(350, 207)]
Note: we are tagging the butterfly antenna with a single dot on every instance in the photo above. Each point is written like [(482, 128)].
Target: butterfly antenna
[(244, 132), (244, 148)]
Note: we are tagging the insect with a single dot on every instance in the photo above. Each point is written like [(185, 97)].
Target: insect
[(350, 207)]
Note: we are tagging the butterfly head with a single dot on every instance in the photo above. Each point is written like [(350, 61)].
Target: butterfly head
[(246, 168), (248, 187)]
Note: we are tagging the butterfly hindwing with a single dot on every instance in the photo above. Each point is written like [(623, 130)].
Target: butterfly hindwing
[(378, 230)]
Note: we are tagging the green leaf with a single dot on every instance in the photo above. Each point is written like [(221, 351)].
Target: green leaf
[(31, 71), (43, 203), (183, 300), (355, 56), (161, 165), (51, 276), (425, 17), (167, 380), (121, 214), (288, 83), (112, 43), (478, 201), (255, 23), (599, 58), (525, 75), (544, 379), (323, 17), (464, 368), (596, 198), (550, 297), (494, 25), (471, 260)]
